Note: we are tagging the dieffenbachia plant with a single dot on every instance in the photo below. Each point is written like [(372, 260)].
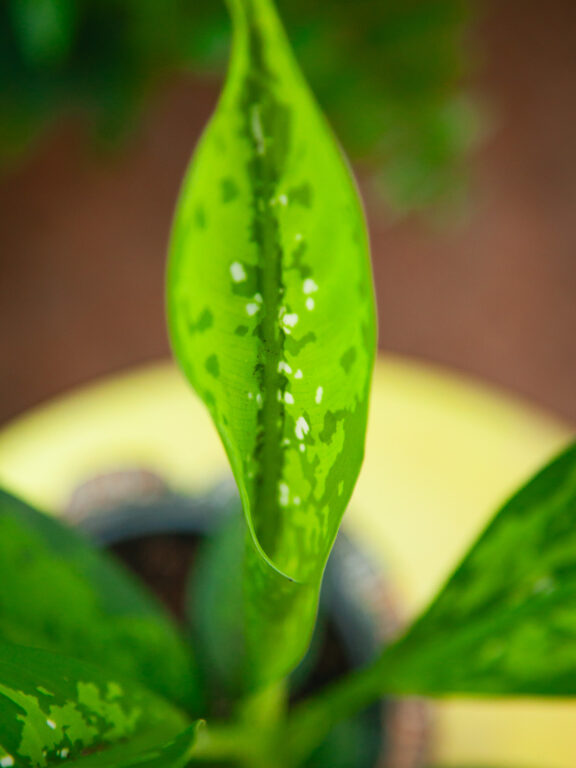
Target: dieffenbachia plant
[(272, 319), (503, 625)]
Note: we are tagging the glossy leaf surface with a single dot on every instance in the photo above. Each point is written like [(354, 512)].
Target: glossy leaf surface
[(272, 319), (65, 596), (55, 709), (505, 623)]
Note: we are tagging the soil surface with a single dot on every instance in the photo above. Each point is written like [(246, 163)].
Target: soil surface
[(163, 563)]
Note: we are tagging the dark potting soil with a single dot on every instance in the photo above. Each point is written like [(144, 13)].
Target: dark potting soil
[(163, 563)]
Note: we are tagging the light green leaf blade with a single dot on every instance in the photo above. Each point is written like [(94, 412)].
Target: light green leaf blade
[(505, 623), (60, 594), (272, 319), (54, 708)]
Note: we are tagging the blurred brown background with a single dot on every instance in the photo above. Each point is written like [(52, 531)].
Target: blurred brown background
[(83, 240)]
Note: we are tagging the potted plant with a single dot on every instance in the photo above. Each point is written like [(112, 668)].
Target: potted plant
[(272, 319)]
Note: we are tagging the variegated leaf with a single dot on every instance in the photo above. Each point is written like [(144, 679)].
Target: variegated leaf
[(272, 319)]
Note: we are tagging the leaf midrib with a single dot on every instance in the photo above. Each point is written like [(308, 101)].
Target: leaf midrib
[(264, 182)]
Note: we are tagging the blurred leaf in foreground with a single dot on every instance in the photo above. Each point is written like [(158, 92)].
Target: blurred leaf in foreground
[(54, 708), (505, 623), (66, 596)]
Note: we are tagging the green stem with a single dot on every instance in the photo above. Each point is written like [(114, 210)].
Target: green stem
[(262, 739), (266, 708), (311, 722), (242, 745), (252, 740), (215, 743)]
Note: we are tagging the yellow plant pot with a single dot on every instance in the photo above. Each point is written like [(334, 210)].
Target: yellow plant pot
[(442, 453)]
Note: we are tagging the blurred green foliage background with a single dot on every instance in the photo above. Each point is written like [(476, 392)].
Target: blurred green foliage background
[(389, 73)]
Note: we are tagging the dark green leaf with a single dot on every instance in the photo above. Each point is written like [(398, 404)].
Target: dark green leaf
[(505, 623), (60, 594), (45, 29), (272, 319), (54, 708), (215, 609), (172, 754)]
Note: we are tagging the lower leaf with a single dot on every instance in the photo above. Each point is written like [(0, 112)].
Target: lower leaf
[(172, 754), (62, 595), (54, 708), (505, 623)]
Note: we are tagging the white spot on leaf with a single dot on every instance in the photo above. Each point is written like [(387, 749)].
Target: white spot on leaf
[(309, 286), (282, 366), (288, 398), (51, 724), (283, 494), (302, 428), (310, 303), (290, 320), (237, 272), (319, 393), (257, 131), (251, 308), (544, 585), (298, 374), (7, 762)]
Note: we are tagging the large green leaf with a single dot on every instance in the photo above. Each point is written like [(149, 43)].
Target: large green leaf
[(61, 594), (54, 708), (505, 623), (215, 610), (272, 319)]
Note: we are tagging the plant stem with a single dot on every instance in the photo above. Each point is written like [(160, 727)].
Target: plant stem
[(252, 740), (265, 709), (311, 721), (222, 743), (240, 745)]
